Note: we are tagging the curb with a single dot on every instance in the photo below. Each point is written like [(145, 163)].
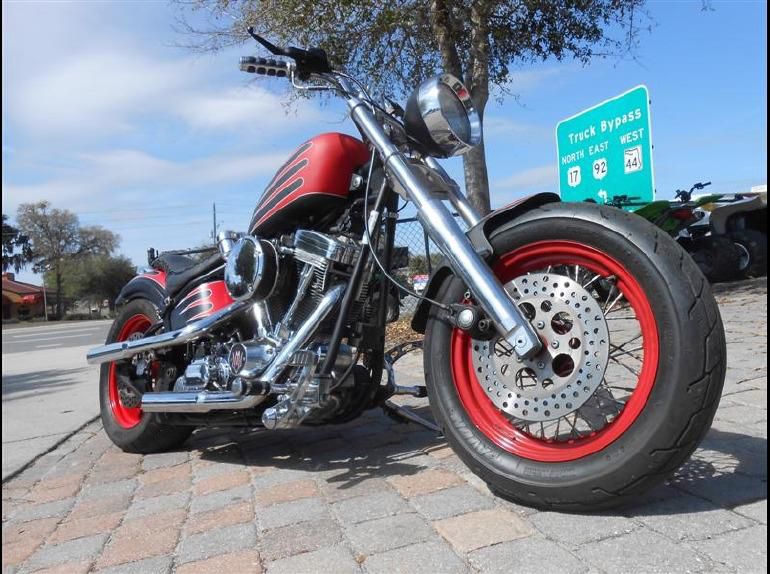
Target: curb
[(53, 447)]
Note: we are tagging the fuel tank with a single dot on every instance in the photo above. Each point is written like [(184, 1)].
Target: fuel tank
[(314, 182)]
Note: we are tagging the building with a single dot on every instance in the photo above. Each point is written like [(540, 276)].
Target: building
[(23, 300)]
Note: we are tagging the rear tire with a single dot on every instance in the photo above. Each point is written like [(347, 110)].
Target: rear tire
[(717, 257), (129, 428), (754, 245), (688, 369)]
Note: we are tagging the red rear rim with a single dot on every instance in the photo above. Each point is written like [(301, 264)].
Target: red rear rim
[(499, 427), (126, 417)]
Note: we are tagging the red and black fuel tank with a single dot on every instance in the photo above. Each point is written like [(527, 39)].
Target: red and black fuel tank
[(315, 181)]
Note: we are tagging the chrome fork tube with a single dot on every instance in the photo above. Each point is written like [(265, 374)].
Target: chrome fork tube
[(445, 232)]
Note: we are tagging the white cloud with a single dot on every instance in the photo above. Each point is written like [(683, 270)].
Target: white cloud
[(135, 176), (532, 180), (502, 127), (243, 107)]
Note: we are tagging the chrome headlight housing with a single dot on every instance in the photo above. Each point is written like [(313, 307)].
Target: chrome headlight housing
[(441, 116), (251, 269)]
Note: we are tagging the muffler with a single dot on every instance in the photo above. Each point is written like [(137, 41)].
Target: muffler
[(199, 402), (126, 349)]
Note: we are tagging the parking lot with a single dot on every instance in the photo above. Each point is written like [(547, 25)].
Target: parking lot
[(380, 496)]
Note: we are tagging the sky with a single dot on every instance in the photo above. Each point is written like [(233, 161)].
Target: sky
[(103, 114)]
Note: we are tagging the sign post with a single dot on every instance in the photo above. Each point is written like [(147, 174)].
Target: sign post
[(606, 150)]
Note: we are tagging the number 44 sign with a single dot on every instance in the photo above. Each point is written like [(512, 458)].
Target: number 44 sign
[(606, 150)]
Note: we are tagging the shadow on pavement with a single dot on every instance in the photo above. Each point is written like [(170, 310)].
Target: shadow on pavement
[(729, 469), (373, 446), (38, 381)]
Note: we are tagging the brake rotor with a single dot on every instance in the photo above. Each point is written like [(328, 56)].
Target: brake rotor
[(571, 365)]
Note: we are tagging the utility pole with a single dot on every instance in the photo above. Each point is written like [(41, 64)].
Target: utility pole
[(214, 229)]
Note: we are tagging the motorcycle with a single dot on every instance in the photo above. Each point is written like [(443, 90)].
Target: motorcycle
[(555, 396)]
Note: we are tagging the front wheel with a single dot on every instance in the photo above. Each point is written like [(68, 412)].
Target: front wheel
[(627, 383), (124, 422)]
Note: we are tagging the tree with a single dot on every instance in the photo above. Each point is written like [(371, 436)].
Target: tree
[(16, 249), (96, 278), (393, 45), (56, 238)]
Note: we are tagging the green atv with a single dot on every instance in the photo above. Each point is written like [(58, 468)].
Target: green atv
[(716, 255)]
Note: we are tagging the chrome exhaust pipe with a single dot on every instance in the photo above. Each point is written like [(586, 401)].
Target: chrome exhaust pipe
[(198, 402), (254, 391), (126, 349)]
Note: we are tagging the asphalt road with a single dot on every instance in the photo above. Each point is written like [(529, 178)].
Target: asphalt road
[(48, 390), (54, 336)]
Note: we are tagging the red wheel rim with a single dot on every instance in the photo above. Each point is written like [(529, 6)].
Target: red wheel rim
[(126, 417), (492, 422)]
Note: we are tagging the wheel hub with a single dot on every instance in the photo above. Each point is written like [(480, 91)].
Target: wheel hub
[(571, 365)]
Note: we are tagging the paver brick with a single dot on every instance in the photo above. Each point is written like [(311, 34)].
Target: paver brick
[(755, 510), (425, 482), (226, 516), (292, 513), (98, 506), (299, 538), (26, 512), (370, 506), (148, 506), (164, 460), (336, 559), (165, 474), (39, 529), (144, 537), (642, 551), (217, 541), (341, 486), (221, 482), (99, 524), (388, 533), (482, 528), (79, 550), (155, 565), (163, 488), (743, 550), (246, 561), (533, 555), (77, 567), (286, 492), (434, 556), (561, 527), (223, 498), (451, 502)]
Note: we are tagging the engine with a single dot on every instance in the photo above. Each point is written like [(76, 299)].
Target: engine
[(287, 280)]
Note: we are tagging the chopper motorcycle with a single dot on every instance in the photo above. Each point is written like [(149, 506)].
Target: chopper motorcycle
[(555, 395)]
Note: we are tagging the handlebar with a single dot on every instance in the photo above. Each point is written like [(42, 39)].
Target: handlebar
[(265, 66)]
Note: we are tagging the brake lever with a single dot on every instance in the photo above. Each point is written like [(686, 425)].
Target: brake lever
[(272, 48)]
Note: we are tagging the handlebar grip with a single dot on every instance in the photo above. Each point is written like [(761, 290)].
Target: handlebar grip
[(264, 66)]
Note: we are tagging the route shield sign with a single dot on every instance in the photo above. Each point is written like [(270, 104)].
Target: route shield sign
[(606, 150)]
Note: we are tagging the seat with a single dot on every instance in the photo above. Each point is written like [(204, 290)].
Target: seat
[(182, 269)]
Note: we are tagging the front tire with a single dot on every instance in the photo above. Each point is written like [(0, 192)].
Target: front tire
[(670, 406), (127, 426)]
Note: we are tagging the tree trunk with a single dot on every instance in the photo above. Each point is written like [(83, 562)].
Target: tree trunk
[(58, 294), (476, 179), (477, 78)]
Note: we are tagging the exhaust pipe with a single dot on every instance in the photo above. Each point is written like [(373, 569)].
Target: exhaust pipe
[(126, 349), (199, 402), (252, 392)]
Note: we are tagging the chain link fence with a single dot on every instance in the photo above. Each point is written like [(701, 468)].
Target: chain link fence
[(415, 257)]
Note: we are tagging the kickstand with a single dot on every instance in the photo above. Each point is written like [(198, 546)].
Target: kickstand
[(399, 412)]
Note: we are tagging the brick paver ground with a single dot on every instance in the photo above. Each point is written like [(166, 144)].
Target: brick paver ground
[(378, 496)]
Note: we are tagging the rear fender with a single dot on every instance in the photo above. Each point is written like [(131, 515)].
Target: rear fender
[(478, 236), (150, 285)]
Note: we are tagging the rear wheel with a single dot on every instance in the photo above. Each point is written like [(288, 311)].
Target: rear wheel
[(625, 387), (753, 247), (717, 257), (123, 420)]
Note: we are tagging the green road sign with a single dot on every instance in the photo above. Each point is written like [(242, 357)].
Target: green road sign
[(606, 150)]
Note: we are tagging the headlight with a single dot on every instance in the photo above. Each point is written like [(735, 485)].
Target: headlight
[(441, 116)]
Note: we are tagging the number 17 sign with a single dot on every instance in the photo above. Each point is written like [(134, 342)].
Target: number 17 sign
[(606, 150)]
